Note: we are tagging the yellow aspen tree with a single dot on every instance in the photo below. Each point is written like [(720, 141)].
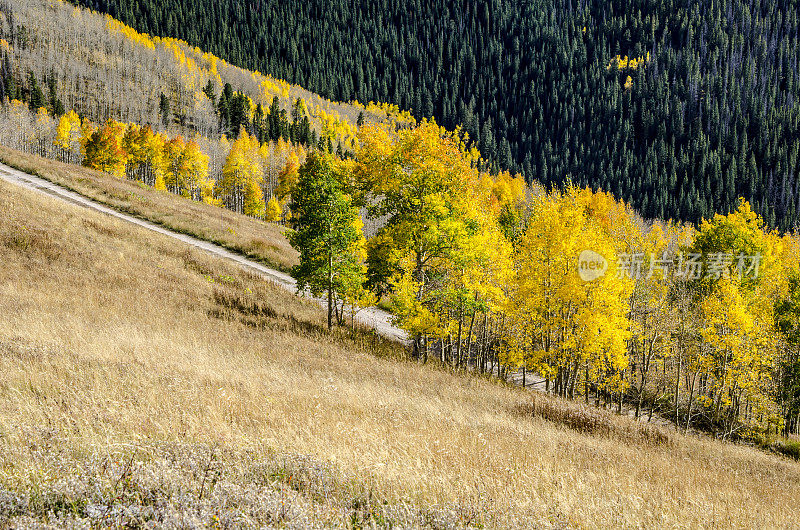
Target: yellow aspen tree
[(483, 267), (153, 166), (195, 173), (242, 175), (419, 179), (628, 83), (728, 334), (268, 182), (739, 294), (254, 199), (224, 144), (723, 242), (186, 170), (274, 211), (67, 140), (87, 129), (132, 144), (287, 178), (565, 322), (172, 163), (104, 149)]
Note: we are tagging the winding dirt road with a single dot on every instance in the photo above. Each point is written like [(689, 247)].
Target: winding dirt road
[(372, 317)]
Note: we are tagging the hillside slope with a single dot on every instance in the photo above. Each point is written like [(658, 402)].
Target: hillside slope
[(371, 317), (78, 86), (254, 239), (103, 69), (710, 114), (146, 382)]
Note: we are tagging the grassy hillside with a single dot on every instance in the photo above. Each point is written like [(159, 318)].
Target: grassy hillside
[(144, 381), (78, 86), (264, 242)]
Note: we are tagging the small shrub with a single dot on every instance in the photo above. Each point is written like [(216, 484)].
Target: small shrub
[(790, 448), (594, 421), (32, 243), (243, 304)]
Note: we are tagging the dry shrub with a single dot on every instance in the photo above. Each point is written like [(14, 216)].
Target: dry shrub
[(31, 242), (180, 485), (247, 305), (594, 421)]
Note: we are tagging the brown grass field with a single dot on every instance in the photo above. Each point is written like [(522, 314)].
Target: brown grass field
[(148, 385), (255, 239)]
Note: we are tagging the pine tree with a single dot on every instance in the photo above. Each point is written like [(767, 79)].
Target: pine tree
[(208, 90), (56, 107), (164, 111), (36, 99)]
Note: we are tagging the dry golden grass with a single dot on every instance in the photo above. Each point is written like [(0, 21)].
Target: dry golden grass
[(261, 241), (116, 341)]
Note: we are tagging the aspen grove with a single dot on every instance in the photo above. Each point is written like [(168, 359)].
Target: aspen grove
[(483, 273)]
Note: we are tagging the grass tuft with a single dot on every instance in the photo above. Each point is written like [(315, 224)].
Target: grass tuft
[(594, 421)]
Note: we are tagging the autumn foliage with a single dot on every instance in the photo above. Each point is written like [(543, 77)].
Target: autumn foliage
[(483, 273)]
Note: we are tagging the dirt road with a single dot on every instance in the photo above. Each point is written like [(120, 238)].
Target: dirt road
[(372, 317)]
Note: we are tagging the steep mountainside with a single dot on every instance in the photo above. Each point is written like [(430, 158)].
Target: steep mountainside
[(103, 69), (177, 109), (708, 111)]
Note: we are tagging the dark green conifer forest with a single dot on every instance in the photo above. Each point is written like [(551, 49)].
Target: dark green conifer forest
[(714, 113)]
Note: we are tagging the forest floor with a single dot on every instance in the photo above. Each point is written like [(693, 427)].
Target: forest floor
[(148, 382)]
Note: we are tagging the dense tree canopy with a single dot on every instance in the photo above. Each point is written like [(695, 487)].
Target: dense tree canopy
[(328, 235)]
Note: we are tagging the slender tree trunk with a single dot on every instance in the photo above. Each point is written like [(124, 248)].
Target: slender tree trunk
[(689, 404), (575, 371), (653, 404), (457, 356), (586, 384), (678, 387), (330, 290), (469, 335), (485, 342)]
